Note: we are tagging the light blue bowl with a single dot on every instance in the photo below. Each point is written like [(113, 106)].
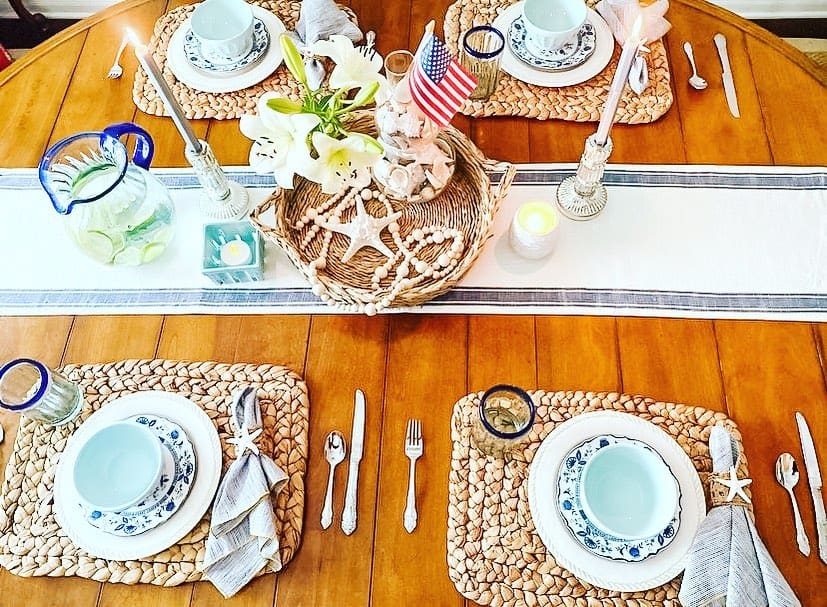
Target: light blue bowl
[(628, 491), (118, 466)]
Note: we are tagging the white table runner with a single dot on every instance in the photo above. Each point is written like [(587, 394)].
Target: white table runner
[(681, 241)]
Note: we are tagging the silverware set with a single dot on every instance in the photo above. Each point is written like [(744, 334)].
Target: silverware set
[(699, 83), (787, 475), (335, 451)]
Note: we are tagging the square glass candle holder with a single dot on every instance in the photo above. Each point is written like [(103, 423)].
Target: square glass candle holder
[(233, 252)]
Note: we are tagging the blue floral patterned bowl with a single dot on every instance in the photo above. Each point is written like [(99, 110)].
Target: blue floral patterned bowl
[(118, 467), (628, 491)]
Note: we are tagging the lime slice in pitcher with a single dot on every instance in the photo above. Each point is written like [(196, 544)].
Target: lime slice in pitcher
[(96, 244)]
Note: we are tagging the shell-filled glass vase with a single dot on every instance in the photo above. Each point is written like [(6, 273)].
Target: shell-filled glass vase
[(417, 165)]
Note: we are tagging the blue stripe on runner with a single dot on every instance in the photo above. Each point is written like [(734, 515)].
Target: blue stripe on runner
[(814, 180)]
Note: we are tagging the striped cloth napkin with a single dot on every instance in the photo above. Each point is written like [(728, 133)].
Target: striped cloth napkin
[(728, 564), (243, 538)]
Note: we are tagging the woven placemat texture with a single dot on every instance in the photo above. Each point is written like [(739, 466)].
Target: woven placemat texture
[(580, 102), (495, 556), (32, 543), (198, 104)]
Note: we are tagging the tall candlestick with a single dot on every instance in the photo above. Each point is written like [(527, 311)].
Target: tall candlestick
[(155, 76), (624, 66)]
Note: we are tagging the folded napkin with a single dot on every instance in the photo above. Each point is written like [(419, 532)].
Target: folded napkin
[(243, 538), (320, 19), (728, 563), (622, 14)]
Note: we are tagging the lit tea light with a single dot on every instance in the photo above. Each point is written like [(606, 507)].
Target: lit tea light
[(534, 229), (235, 253)]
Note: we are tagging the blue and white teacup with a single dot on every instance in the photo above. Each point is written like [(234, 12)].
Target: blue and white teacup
[(224, 29), (550, 24)]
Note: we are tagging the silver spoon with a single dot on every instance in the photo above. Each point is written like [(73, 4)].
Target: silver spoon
[(695, 81), (786, 473), (334, 452)]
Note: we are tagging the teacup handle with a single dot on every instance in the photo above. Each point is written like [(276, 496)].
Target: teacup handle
[(144, 146)]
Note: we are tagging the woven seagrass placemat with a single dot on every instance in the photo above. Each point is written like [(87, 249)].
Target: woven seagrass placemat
[(33, 544), (579, 102), (485, 493), (198, 104)]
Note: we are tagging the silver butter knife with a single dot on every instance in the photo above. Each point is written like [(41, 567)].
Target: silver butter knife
[(726, 76), (357, 441), (814, 477)]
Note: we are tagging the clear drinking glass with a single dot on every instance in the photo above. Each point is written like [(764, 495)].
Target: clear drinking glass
[(32, 389), (506, 414), (482, 50)]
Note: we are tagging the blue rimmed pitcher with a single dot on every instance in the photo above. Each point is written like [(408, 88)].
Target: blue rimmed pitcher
[(116, 210)]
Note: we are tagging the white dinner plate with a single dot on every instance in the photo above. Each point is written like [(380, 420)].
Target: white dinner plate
[(542, 499), (204, 437), (588, 69), (231, 82)]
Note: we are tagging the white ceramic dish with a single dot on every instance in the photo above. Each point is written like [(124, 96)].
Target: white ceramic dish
[(233, 81), (613, 575), (588, 69), (204, 437)]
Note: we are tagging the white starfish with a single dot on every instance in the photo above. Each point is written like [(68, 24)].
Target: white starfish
[(364, 231), (244, 440), (736, 485)]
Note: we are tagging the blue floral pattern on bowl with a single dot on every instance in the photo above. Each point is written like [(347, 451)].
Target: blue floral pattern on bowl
[(261, 41), (177, 477), (567, 57), (584, 531)]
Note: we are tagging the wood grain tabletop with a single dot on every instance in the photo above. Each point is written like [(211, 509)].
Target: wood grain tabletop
[(419, 365)]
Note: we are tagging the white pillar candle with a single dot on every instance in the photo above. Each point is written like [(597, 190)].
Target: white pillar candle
[(155, 76), (624, 66), (235, 253), (534, 229)]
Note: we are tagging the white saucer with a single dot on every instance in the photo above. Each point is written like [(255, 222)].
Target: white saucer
[(542, 491), (204, 438), (592, 66), (231, 81)]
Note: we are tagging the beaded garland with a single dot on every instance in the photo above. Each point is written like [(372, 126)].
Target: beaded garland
[(405, 266)]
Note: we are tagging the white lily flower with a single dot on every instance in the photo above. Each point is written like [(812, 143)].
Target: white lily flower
[(343, 162), (279, 141), (353, 70)]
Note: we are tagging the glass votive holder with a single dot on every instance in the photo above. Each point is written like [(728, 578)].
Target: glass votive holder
[(32, 389), (233, 252), (534, 229), (505, 417), (482, 50)]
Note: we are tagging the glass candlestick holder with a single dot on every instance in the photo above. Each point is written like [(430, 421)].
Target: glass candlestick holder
[(221, 198), (583, 195)]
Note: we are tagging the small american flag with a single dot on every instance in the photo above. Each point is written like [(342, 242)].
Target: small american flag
[(439, 84)]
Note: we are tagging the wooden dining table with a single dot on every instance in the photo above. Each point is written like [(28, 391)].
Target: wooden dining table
[(419, 365)]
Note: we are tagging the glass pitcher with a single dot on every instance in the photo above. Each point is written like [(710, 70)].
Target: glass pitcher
[(117, 212)]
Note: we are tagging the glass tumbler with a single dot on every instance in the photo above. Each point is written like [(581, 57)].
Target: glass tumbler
[(482, 50), (30, 388), (506, 415)]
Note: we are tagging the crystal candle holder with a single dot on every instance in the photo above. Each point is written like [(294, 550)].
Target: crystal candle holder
[(233, 253), (221, 198), (583, 196)]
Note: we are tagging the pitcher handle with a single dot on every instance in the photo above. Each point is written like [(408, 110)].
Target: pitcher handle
[(144, 146)]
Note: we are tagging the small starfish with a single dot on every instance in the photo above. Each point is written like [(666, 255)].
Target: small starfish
[(736, 485), (244, 440), (364, 231)]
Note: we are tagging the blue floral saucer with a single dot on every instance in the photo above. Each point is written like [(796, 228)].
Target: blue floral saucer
[(567, 57), (261, 41), (583, 530), (176, 479)]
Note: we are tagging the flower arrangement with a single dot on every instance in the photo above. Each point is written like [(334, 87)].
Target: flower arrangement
[(310, 138)]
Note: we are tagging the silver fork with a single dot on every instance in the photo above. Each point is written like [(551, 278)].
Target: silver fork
[(368, 49), (116, 71), (413, 449)]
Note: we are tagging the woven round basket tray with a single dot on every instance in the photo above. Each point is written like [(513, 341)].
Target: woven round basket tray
[(433, 243)]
